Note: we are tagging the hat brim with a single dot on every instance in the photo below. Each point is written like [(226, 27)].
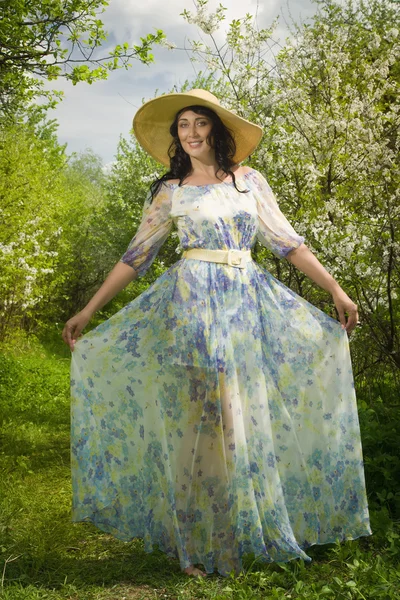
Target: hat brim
[(153, 120)]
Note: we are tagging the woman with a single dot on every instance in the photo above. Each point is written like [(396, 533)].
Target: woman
[(215, 414)]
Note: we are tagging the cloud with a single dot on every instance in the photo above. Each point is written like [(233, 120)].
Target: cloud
[(95, 116)]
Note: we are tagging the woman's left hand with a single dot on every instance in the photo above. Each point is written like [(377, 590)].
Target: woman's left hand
[(345, 305)]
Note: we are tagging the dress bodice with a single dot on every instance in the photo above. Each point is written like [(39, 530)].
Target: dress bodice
[(214, 216)]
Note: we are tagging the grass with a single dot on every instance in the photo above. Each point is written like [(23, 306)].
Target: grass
[(44, 555)]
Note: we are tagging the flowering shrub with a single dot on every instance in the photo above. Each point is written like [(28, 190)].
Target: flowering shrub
[(53, 250), (29, 226), (328, 103)]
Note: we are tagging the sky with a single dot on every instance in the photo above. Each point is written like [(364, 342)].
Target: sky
[(95, 116)]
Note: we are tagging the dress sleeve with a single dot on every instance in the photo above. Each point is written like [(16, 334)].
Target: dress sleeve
[(274, 230), (152, 232)]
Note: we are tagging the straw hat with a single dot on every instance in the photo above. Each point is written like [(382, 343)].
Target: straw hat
[(152, 122)]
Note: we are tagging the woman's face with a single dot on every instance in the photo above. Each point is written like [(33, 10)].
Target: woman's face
[(193, 130)]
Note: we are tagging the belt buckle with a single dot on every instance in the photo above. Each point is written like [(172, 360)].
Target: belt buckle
[(235, 261)]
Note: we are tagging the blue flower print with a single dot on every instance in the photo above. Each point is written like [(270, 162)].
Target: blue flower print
[(316, 493)]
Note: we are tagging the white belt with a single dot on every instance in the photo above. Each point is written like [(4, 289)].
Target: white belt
[(233, 257)]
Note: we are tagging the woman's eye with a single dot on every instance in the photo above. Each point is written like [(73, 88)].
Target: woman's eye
[(199, 123)]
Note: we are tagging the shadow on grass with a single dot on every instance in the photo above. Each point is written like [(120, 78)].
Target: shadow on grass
[(111, 566), (88, 557), (34, 455)]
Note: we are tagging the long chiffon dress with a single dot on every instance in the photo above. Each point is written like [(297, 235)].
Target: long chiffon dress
[(215, 414)]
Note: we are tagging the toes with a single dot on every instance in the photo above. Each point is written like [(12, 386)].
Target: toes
[(193, 571)]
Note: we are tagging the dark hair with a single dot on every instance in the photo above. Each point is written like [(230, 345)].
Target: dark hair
[(220, 138)]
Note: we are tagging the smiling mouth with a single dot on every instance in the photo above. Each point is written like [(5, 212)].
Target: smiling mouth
[(194, 144)]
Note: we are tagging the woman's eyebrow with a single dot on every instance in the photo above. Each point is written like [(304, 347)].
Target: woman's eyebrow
[(196, 119)]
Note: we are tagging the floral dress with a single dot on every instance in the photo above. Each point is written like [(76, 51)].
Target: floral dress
[(215, 414)]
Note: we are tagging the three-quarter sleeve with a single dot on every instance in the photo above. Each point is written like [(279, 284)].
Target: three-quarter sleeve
[(152, 232), (274, 230)]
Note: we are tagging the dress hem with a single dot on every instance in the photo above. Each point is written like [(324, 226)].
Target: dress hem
[(197, 560)]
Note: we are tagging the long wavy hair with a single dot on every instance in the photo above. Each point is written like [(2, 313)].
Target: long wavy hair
[(220, 139)]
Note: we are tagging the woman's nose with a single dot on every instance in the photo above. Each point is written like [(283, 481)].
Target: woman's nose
[(193, 131)]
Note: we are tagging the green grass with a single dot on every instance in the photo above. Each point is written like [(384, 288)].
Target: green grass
[(44, 555)]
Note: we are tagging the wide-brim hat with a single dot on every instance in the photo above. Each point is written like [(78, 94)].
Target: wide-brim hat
[(153, 120)]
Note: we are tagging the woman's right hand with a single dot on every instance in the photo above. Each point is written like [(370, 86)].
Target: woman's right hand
[(74, 326)]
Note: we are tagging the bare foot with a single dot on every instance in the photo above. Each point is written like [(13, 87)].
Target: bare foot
[(194, 571)]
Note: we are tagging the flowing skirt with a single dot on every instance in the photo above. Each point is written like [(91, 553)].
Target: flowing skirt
[(214, 416)]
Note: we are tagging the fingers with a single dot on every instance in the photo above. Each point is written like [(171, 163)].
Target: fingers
[(342, 317), (352, 320), (73, 329), (345, 306), (70, 334), (66, 335)]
